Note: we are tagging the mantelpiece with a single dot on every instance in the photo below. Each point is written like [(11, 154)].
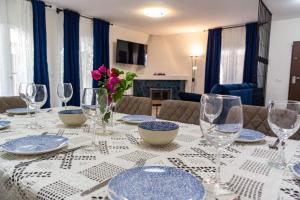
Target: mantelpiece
[(167, 77)]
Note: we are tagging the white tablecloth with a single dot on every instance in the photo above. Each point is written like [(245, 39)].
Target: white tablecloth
[(65, 176)]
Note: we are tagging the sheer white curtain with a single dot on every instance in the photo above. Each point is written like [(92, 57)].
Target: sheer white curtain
[(232, 55), (5, 55), (16, 48), (55, 53), (86, 52)]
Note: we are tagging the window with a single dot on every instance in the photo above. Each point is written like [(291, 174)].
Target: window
[(232, 55), (86, 52), (16, 49)]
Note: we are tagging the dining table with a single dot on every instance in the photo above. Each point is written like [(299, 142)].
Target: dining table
[(67, 175)]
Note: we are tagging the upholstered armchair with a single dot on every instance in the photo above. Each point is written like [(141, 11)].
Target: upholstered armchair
[(11, 102), (134, 105)]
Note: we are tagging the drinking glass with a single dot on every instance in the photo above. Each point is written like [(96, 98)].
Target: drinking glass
[(94, 105), (221, 121), (65, 92), (23, 94), (284, 121), (30, 94), (37, 100)]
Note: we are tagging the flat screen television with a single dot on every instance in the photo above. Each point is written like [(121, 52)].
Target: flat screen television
[(131, 53)]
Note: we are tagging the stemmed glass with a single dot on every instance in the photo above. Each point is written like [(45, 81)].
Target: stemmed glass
[(94, 105), (284, 121), (23, 94), (38, 95), (65, 92), (212, 106), (221, 120)]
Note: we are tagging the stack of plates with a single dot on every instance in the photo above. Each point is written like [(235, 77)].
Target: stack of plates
[(19, 111), (136, 119), (155, 182), (248, 135), (36, 144), (296, 170), (4, 124)]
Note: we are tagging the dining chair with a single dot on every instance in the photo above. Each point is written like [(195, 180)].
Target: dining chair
[(256, 118), (8, 102), (134, 105), (180, 111)]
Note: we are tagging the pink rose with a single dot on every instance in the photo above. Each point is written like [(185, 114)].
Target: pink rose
[(96, 75), (110, 87), (113, 80), (102, 69), (112, 72)]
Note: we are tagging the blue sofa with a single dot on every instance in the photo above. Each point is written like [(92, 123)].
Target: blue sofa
[(187, 96), (247, 91)]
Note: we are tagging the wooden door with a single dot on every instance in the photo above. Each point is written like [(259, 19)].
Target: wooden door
[(294, 88)]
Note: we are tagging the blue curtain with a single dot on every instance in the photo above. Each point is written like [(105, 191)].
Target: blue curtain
[(250, 65), (213, 59), (71, 54), (40, 46), (101, 45)]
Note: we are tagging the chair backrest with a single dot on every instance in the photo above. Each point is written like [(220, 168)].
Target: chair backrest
[(256, 118), (11, 102), (134, 105), (180, 111)]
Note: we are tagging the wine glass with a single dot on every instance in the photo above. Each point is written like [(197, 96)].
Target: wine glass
[(221, 121), (94, 105), (30, 94), (37, 101), (212, 106), (284, 121), (65, 92), (23, 94)]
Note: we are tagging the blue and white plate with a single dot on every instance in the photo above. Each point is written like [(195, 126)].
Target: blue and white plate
[(19, 111), (155, 182), (36, 144), (296, 169), (4, 124), (136, 119), (248, 135)]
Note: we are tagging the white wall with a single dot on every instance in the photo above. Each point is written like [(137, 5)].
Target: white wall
[(117, 32), (283, 34), (170, 54), (167, 53)]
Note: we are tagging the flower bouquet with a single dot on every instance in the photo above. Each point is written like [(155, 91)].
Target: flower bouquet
[(115, 82)]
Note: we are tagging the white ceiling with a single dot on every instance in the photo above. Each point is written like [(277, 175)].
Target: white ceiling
[(284, 9), (184, 15)]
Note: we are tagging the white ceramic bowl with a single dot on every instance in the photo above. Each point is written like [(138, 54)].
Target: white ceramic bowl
[(157, 132), (72, 117)]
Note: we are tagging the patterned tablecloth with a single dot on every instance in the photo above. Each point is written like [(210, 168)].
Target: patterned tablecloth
[(65, 176)]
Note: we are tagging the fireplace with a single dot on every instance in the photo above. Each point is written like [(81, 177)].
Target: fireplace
[(141, 88), (160, 94)]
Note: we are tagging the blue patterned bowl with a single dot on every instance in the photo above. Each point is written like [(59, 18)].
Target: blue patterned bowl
[(72, 117), (155, 182), (157, 132)]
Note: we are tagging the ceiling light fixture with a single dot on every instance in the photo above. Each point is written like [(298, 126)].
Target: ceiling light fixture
[(155, 12)]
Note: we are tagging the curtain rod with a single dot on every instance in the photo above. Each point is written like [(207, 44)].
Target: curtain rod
[(58, 10), (228, 27)]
